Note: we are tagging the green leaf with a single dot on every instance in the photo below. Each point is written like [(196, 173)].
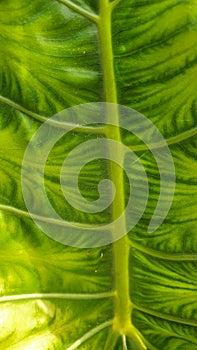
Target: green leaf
[(139, 292)]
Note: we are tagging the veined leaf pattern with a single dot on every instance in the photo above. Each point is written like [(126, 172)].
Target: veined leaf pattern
[(137, 293)]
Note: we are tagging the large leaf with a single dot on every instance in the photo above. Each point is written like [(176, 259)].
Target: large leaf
[(141, 291)]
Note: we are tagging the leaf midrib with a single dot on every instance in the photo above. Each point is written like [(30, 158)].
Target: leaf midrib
[(121, 249)]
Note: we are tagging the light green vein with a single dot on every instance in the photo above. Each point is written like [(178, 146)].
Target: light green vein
[(169, 141), (19, 108), (115, 3), (162, 255), (63, 223), (27, 215), (98, 130), (124, 342), (111, 340), (155, 253), (165, 317), (91, 16), (182, 136), (52, 122), (89, 334), (67, 296), (150, 346)]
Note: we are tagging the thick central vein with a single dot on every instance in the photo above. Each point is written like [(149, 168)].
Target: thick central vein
[(121, 247)]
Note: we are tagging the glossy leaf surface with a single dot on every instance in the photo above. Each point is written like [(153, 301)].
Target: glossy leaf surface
[(137, 293)]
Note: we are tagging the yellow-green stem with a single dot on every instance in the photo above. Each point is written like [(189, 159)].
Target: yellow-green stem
[(121, 247)]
